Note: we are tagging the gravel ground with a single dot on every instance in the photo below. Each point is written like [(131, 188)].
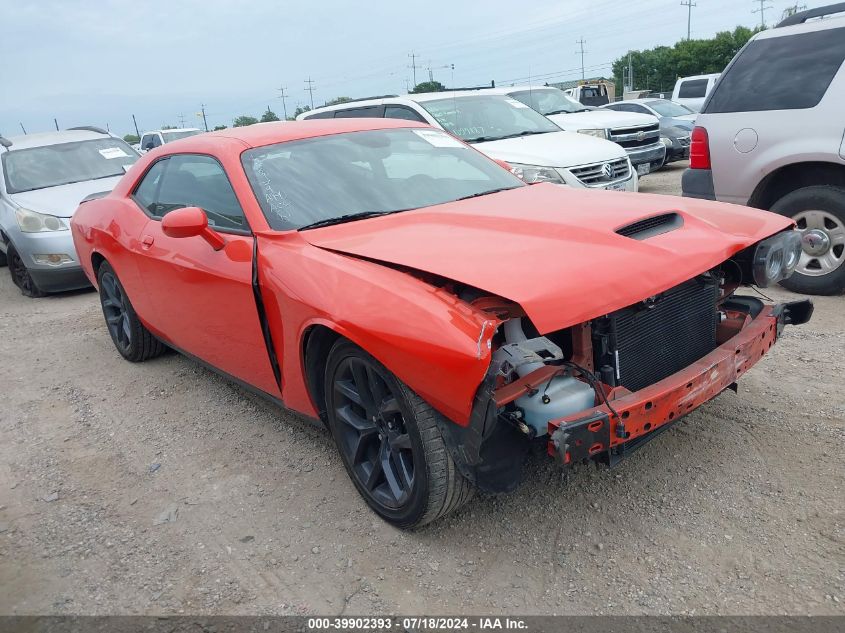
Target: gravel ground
[(160, 488)]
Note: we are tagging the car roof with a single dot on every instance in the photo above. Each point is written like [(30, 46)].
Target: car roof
[(261, 134), (173, 129), (830, 21), (707, 76), (404, 99), (42, 139)]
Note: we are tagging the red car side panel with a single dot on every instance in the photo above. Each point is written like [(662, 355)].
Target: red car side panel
[(404, 322)]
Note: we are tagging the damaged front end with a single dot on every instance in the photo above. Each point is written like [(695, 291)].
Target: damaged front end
[(599, 389)]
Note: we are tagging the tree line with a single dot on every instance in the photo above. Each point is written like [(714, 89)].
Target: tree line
[(658, 68)]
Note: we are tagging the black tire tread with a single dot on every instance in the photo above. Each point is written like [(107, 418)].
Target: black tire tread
[(448, 489)]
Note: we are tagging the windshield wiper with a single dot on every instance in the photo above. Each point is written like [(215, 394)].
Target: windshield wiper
[(523, 133), (484, 193), (563, 111), (349, 217)]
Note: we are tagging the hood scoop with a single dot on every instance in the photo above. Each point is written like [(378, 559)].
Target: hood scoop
[(649, 227)]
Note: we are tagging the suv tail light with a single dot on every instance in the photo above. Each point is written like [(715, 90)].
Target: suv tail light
[(699, 151)]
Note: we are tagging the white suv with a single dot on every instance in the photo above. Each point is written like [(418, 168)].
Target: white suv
[(507, 130), (156, 138), (638, 134), (771, 135)]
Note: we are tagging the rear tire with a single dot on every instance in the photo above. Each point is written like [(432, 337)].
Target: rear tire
[(390, 442), (134, 341), (3, 260), (21, 277), (819, 212)]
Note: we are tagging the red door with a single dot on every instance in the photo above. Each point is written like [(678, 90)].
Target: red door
[(202, 299)]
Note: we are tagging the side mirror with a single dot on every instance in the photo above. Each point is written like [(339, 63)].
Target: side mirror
[(148, 146), (191, 222)]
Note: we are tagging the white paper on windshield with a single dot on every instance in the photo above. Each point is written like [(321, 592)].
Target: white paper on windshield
[(516, 104), (113, 152), (438, 139)]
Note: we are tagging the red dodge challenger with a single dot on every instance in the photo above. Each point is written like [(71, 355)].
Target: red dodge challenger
[(435, 312)]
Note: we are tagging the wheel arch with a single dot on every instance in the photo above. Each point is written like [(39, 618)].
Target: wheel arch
[(316, 342), (788, 178), (97, 260)]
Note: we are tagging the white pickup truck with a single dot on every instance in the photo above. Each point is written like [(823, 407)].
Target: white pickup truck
[(638, 134)]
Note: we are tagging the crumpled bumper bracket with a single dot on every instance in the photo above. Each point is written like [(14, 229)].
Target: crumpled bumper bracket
[(589, 434)]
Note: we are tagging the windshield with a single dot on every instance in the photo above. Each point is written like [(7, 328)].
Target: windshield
[(548, 101), (487, 117), (174, 135), (65, 163), (299, 183), (663, 107)]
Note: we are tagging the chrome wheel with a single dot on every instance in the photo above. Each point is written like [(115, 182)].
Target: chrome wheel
[(371, 433), (823, 242)]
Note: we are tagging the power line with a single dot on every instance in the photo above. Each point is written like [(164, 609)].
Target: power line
[(581, 42), (689, 4), (282, 97), (204, 120), (413, 65), (310, 90), (762, 12)]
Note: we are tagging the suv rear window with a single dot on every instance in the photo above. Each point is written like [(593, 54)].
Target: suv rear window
[(692, 89), (780, 73)]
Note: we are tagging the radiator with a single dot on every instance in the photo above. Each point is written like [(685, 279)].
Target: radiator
[(642, 344)]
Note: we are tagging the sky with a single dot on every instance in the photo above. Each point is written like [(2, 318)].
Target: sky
[(98, 62)]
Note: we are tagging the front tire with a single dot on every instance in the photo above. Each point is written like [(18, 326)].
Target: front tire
[(389, 440), (21, 277), (819, 212), (134, 341)]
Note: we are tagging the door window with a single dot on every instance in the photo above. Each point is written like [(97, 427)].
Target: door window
[(189, 180), (356, 113)]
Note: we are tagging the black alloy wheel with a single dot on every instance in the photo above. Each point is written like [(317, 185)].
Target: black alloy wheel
[(115, 310), (372, 433), (21, 277), (390, 441), (131, 338)]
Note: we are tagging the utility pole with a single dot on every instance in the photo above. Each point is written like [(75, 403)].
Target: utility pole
[(582, 41), (181, 120), (204, 121), (282, 97), (762, 12), (630, 73), (135, 123), (413, 57), (310, 90), (689, 4)]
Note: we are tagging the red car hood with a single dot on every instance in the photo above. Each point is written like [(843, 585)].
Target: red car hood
[(552, 249)]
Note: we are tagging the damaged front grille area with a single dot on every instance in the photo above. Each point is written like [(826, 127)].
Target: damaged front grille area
[(640, 345)]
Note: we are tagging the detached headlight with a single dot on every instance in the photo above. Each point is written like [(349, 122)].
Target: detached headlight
[(32, 222), (596, 133), (775, 258), (533, 174)]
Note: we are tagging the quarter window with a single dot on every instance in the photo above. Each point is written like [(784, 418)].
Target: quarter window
[(693, 89), (401, 112), (780, 73), (356, 113), (188, 180)]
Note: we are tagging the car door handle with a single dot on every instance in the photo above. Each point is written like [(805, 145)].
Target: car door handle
[(147, 241)]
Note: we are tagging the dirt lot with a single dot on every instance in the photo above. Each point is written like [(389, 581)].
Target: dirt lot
[(161, 488)]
